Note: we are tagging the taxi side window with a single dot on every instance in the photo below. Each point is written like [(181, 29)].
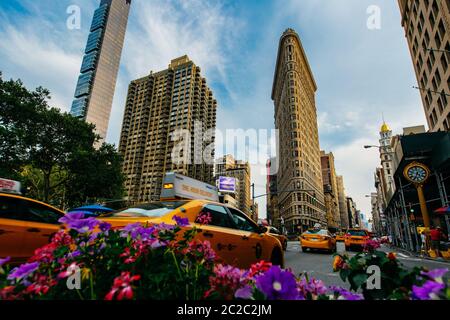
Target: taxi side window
[(219, 216), (36, 212), (9, 208), (274, 231), (241, 222)]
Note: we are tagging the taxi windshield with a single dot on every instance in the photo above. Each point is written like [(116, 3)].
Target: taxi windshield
[(357, 233), (317, 231), (148, 210)]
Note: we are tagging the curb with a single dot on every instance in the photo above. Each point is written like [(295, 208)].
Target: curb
[(421, 257)]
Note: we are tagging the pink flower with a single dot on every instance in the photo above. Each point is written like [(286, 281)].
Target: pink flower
[(44, 254), (70, 271), (41, 286), (122, 287), (259, 268), (202, 250), (62, 238), (371, 245), (204, 218), (226, 281)]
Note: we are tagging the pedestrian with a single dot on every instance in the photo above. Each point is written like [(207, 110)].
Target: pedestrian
[(423, 239), (436, 236)]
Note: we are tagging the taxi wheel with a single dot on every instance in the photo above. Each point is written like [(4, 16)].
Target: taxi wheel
[(304, 249)]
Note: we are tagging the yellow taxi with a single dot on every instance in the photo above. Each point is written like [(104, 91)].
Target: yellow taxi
[(356, 238), (279, 235), (318, 239), (25, 225), (235, 238), (340, 237)]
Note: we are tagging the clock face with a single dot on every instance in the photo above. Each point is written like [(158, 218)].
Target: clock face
[(417, 174)]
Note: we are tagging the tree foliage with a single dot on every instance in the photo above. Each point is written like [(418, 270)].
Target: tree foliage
[(51, 152)]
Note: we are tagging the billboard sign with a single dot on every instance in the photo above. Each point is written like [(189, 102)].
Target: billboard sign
[(177, 186), (227, 184)]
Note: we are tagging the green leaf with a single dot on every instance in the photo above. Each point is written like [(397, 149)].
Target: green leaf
[(360, 279)]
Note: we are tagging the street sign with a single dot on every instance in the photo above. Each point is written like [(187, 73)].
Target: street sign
[(227, 184)]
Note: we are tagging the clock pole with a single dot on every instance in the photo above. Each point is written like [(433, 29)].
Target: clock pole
[(423, 206), (418, 174)]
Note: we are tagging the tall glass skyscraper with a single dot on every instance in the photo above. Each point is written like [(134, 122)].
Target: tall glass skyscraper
[(97, 82)]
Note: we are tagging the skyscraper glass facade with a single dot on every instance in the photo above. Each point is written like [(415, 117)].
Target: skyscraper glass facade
[(96, 84)]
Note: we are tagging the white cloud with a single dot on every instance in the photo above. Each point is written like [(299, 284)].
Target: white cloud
[(40, 62), (161, 30)]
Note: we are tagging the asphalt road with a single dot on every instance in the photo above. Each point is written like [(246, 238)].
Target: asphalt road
[(320, 265)]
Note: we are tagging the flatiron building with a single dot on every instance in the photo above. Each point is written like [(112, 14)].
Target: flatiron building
[(299, 178)]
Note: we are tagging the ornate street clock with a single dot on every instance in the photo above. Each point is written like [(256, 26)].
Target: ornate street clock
[(417, 173)]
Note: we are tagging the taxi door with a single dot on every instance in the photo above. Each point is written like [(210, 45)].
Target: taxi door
[(253, 245), (220, 233), (12, 230), (42, 223)]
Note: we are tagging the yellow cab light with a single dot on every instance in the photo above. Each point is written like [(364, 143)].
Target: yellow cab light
[(168, 186)]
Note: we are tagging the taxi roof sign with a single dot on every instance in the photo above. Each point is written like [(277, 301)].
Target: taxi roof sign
[(10, 186), (177, 186)]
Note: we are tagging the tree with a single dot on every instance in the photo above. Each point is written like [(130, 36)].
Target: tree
[(52, 152), (94, 175), (19, 109)]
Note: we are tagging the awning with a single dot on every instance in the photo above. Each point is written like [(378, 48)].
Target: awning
[(443, 210)]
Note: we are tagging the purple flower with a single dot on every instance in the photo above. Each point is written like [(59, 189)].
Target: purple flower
[(277, 284), (84, 225), (23, 271), (181, 222), (435, 274), (136, 231), (76, 221), (104, 226), (429, 291), (71, 216), (131, 230), (164, 227), (74, 254), (245, 293), (3, 261), (344, 294), (313, 286)]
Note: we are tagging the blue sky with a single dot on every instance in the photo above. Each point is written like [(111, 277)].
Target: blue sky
[(360, 73)]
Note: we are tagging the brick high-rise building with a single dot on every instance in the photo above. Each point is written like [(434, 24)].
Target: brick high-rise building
[(227, 166), (352, 213), (299, 153), (168, 113), (427, 30), (330, 190), (273, 212), (97, 82), (343, 210)]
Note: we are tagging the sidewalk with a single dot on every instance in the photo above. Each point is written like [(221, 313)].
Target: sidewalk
[(416, 255)]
